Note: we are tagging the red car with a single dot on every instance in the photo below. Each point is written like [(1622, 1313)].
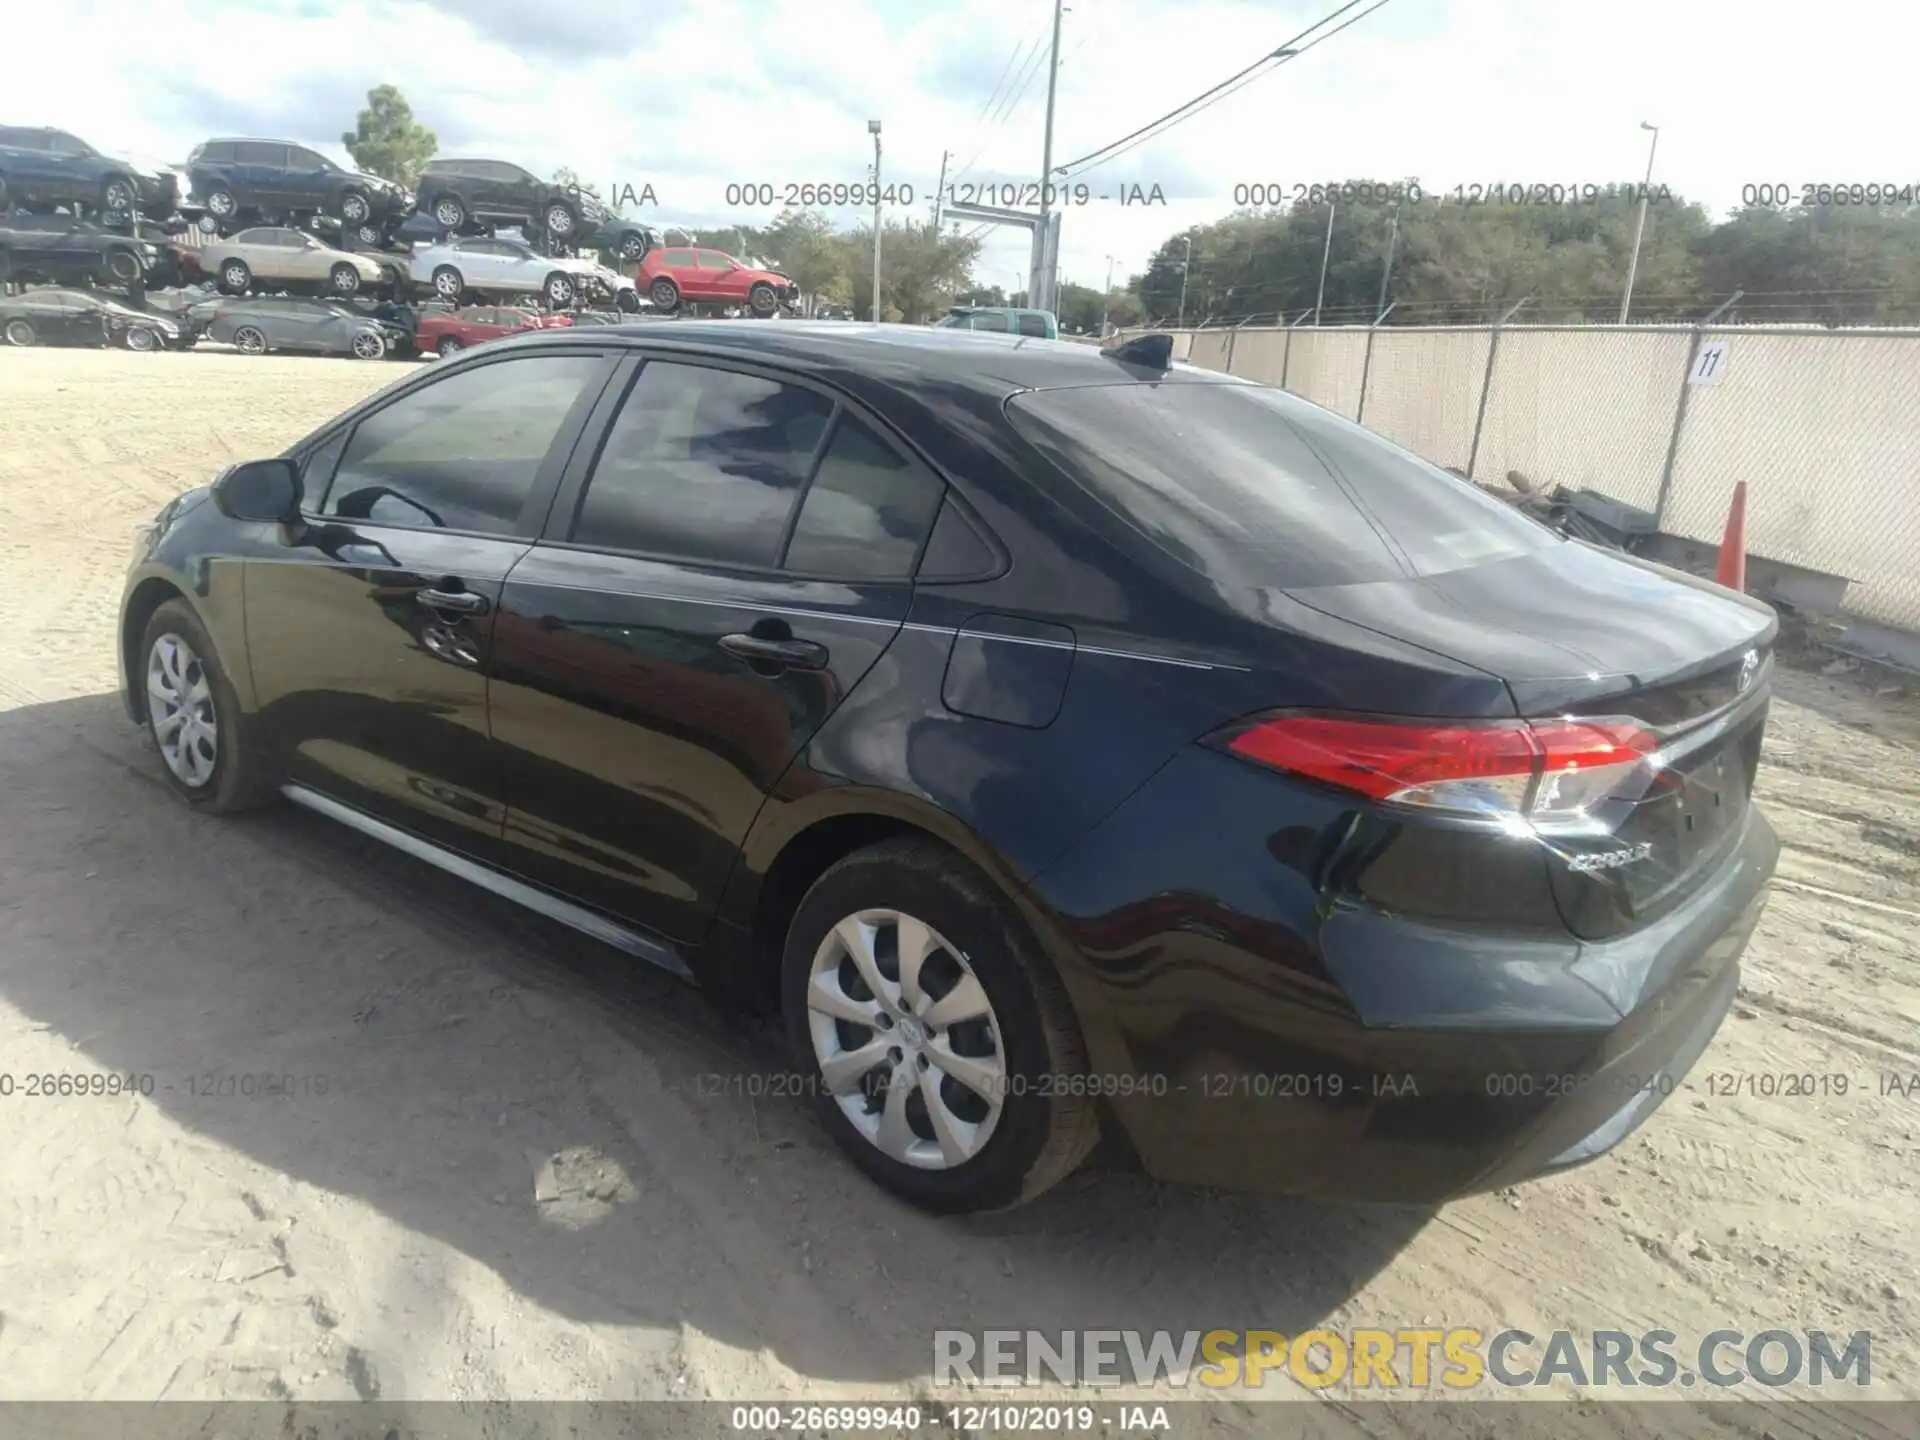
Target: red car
[(705, 276), (445, 331)]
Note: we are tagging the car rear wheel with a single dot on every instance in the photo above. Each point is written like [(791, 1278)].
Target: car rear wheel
[(632, 247), (664, 294), (626, 300), (235, 277), (354, 207), (250, 340), (124, 266), (559, 290), (369, 235), (762, 301), (21, 332), (116, 196), (344, 279), (943, 1052), (141, 338), (205, 743), (449, 213), (560, 221), (221, 204), (369, 345), (450, 345), (447, 284)]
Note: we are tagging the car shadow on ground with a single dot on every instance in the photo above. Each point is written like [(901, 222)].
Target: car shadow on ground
[(435, 1048)]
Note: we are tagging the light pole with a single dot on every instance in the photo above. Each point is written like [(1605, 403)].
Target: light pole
[(1326, 254), (873, 129), (1106, 299), (1640, 225), (1186, 267)]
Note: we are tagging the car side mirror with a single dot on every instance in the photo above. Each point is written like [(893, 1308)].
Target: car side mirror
[(260, 490)]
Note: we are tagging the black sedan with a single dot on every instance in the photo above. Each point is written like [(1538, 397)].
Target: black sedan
[(66, 251), (75, 317), (1061, 739)]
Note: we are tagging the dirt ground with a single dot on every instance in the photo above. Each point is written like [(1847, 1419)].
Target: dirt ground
[(395, 1224)]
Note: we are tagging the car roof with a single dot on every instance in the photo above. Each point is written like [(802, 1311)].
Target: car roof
[(991, 364)]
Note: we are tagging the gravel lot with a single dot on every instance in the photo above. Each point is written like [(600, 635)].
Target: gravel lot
[(398, 1227)]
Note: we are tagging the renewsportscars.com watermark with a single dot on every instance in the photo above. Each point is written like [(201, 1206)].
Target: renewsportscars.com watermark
[(1403, 1359)]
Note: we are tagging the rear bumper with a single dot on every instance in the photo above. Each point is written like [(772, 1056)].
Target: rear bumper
[(1342, 1052)]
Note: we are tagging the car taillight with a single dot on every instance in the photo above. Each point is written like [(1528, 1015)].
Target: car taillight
[(1541, 772)]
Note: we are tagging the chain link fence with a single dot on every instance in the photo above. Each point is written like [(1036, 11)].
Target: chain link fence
[(1824, 425)]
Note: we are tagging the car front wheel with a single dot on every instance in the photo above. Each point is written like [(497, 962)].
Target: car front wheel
[(344, 279), (194, 717), (942, 1050), (447, 284), (235, 277), (762, 301), (559, 290)]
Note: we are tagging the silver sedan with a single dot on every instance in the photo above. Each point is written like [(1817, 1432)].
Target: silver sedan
[(497, 266)]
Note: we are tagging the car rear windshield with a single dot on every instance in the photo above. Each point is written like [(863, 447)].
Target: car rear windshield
[(1252, 487)]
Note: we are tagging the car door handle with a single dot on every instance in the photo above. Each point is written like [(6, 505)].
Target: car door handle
[(795, 654), (457, 602)]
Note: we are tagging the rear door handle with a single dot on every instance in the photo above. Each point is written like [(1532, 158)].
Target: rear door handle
[(795, 654), (454, 602)]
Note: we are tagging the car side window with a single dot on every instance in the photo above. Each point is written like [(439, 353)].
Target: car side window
[(702, 464), (714, 260), (1033, 325), (460, 453), (256, 152), (678, 259), (866, 511)]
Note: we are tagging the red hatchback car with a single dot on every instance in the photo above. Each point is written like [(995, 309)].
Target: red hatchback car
[(446, 331), (696, 273)]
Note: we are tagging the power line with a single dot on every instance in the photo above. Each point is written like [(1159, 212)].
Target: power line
[(1093, 159), (1023, 75)]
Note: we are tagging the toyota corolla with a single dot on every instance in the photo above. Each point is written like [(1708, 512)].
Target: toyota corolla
[(1063, 741)]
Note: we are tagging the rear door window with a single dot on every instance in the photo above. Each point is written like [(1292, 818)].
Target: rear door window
[(1034, 325), (1251, 486), (866, 511)]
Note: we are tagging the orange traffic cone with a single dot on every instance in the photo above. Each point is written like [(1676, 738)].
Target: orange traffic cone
[(1732, 570)]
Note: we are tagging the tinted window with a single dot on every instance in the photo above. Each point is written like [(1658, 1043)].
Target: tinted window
[(1033, 325), (702, 465), (714, 260), (1252, 487), (865, 513), (257, 152), (18, 138), (61, 143), (678, 257), (219, 152), (307, 159), (462, 452)]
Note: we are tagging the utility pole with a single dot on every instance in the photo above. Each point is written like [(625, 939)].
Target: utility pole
[(1186, 268), (940, 192), (1326, 254), (1386, 273), (1106, 299), (1041, 288), (1640, 226), (873, 128)]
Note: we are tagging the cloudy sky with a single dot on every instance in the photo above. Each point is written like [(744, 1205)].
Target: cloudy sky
[(689, 97)]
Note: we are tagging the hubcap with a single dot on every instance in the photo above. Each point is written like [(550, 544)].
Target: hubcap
[(119, 197), (236, 277), (220, 203), (559, 221), (906, 1039), (366, 346), (447, 213), (180, 709), (20, 333), (249, 342), (354, 209), (448, 285)]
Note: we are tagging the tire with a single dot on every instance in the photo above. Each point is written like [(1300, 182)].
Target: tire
[(626, 301), (559, 289), (449, 213), (221, 204), (250, 340), (369, 345), (632, 247), (370, 236), (450, 345), (762, 301), (236, 777), (664, 294), (1035, 1139), (343, 279), (560, 222), (22, 333), (118, 195), (447, 284), (142, 339), (123, 266), (235, 277), (355, 208)]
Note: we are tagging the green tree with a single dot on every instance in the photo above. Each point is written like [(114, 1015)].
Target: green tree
[(386, 140)]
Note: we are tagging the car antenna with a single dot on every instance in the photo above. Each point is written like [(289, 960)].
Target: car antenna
[(1154, 352)]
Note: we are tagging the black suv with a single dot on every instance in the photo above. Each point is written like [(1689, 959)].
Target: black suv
[(277, 177), (45, 167), (461, 195), (68, 251)]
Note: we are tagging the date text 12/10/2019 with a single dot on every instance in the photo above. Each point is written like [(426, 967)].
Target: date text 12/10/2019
[(814, 194)]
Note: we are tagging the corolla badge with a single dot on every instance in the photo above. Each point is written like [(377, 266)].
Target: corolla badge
[(1749, 667), (1609, 859)]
